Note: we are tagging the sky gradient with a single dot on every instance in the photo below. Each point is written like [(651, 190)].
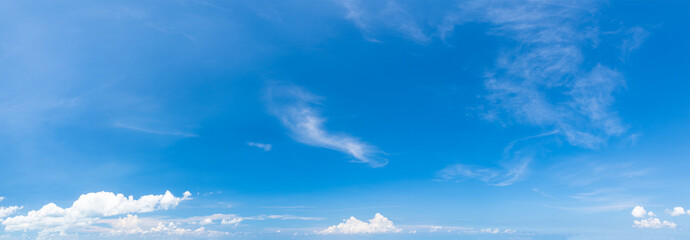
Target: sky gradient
[(345, 119)]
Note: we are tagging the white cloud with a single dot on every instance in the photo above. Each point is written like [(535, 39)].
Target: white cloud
[(492, 176), (459, 229), (543, 79), (637, 35), (234, 221), (2, 198), (152, 226), (372, 16), (378, 224), (88, 209), (206, 221), (6, 211), (154, 131), (264, 146), (677, 211), (653, 223), (639, 212), (294, 107), (172, 229), (128, 225), (283, 217)]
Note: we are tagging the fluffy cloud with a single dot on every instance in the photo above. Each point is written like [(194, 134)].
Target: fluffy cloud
[(294, 107), (638, 212), (651, 221), (677, 211), (371, 16), (127, 225), (6, 211), (233, 221), (378, 224), (88, 209), (132, 224)]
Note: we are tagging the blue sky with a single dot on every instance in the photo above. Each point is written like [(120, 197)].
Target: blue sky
[(344, 120)]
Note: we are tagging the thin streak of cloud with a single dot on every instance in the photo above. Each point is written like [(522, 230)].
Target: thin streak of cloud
[(295, 107), (266, 147), (153, 131), (499, 177)]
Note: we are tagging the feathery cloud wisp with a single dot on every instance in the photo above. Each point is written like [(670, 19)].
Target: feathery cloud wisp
[(542, 78), (265, 146), (294, 107)]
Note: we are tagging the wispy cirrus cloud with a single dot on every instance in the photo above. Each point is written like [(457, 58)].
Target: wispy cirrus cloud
[(543, 80), (373, 16), (542, 76), (265, 146), (514, 167), (499, 177), (153, 130), (296, 109)]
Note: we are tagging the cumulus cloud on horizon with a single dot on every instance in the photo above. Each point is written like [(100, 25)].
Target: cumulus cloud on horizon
[(88, 209), (378, 224)]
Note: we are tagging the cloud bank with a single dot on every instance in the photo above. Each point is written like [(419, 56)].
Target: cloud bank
[(88, 209)]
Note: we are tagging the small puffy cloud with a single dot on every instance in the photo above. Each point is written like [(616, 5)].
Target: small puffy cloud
[(266, 147), (234, 221), (128, 225), (639, 212), (2, 198), (172, 229), (378, 224), (490, 230), (677, 211), (206, 221), (157, 228), (88, 209), (6, 211), (653, 223)]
